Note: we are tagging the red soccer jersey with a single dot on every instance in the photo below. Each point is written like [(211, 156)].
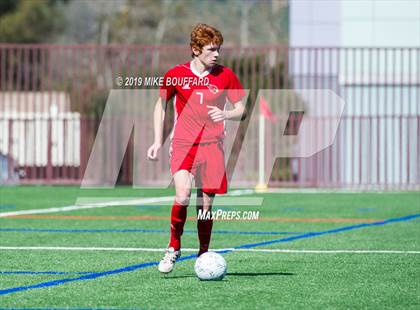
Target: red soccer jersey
[(193, 93)]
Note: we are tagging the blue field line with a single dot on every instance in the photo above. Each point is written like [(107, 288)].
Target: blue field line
[(367, 209), (188, 231), (331, 231), (251, 232), (44, 272), (245, 246), (85, 277)]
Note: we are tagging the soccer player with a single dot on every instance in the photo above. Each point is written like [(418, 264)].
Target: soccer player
[(200, 89)]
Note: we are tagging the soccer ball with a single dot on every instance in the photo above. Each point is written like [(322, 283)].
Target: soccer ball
[(210, 266)]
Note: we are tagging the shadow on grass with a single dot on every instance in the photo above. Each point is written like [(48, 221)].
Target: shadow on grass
[(239, 274)]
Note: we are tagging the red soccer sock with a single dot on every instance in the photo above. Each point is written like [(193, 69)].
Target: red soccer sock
[(178, 218), (204, 228)]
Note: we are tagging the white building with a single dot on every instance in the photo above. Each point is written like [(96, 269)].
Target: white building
[(374, 64), (25, 119)]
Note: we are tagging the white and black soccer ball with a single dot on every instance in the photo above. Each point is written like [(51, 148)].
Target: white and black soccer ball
[(210, 266)]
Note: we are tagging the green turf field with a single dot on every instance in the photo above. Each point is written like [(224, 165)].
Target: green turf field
[(359, 223)]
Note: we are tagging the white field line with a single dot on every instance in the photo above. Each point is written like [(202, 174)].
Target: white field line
[(373, 190), (51, 248), (219, 201), (78, 207), (81, 204)]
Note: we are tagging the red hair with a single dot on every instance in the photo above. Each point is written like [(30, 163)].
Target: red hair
[(202, 35)]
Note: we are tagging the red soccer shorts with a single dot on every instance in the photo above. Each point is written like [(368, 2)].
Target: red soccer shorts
[(206, 161)]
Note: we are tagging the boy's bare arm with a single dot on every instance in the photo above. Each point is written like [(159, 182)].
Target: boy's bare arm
[(158, 120), (237, 114)]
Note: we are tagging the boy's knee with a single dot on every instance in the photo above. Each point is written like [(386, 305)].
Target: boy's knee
[(182, 198)]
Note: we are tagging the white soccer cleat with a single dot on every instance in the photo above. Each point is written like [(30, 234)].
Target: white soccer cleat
[(168, 261)]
